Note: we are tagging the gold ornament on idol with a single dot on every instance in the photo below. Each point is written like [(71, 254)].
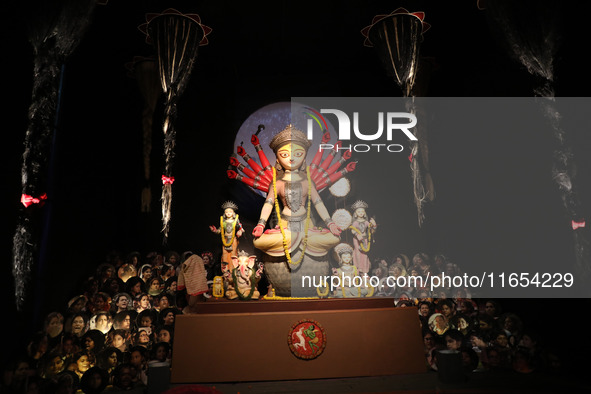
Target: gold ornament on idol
[(278, 211), (224, 235), (355, 229)]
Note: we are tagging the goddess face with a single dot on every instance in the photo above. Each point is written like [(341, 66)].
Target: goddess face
[(229, 213), (291, 156), (346, 258), (360, 213)]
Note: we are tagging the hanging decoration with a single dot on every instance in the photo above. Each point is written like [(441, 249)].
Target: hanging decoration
[(175, 37), (534, 45), (397, 38), (55, 30), (145, 71)]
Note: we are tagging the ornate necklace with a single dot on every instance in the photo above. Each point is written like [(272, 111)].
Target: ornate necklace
[(278, 211), (223, 234), (356, 230)]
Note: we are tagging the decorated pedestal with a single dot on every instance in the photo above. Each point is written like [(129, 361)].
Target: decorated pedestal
[(296, 339)]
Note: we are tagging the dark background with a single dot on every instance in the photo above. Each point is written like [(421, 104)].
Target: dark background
[(258, 54)]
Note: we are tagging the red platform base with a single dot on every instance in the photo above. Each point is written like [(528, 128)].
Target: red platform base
[(248, 341)]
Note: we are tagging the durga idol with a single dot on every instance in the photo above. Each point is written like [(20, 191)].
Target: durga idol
[(291, 196)]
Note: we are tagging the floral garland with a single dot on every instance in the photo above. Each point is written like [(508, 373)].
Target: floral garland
[(224, 235), (252, 285), (356, 230), (323, 293), (277, 210)]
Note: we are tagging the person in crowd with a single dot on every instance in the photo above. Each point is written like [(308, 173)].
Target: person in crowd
[(123, 320), (121, 302), (165, 334), (492, 308), (166, 317), (147, 318), (108, 359), (142, 302), (77, 305), (77, 324), (164, 301), (462, 323), (105, 271), (512, 325), (112, 286), (170, 286), (81, 362), (54, 364), (99, 302), (102, 321), (124, 381), (54, 327), (425, 310), (143, 337), (93, 342), (454, 339), (167, 271), (134, 286), (173, 258), (134, 258), (119, 338), (447, 308), (145, 272), (94, 381), (160, 355), (69, 345), (139, 360), (154, 286)]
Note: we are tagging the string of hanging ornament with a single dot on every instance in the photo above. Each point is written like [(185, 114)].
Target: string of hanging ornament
[(55, 30), (534, 45), (396, 38), (176, 38)]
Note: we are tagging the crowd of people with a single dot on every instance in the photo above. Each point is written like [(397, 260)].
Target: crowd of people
[(120, 325)]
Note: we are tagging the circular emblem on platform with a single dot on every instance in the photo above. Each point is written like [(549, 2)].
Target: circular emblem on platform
[(306, 339)]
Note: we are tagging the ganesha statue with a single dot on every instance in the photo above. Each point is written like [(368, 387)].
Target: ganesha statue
[(241, 277)]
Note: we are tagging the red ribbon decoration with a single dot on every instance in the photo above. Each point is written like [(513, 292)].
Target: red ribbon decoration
[(576, 225), (167, 180), (27, 200)]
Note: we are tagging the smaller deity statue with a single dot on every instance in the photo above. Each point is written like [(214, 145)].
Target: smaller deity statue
[(230, 230), (351, 283), (362, 229), (218, 287), (241, 278)]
